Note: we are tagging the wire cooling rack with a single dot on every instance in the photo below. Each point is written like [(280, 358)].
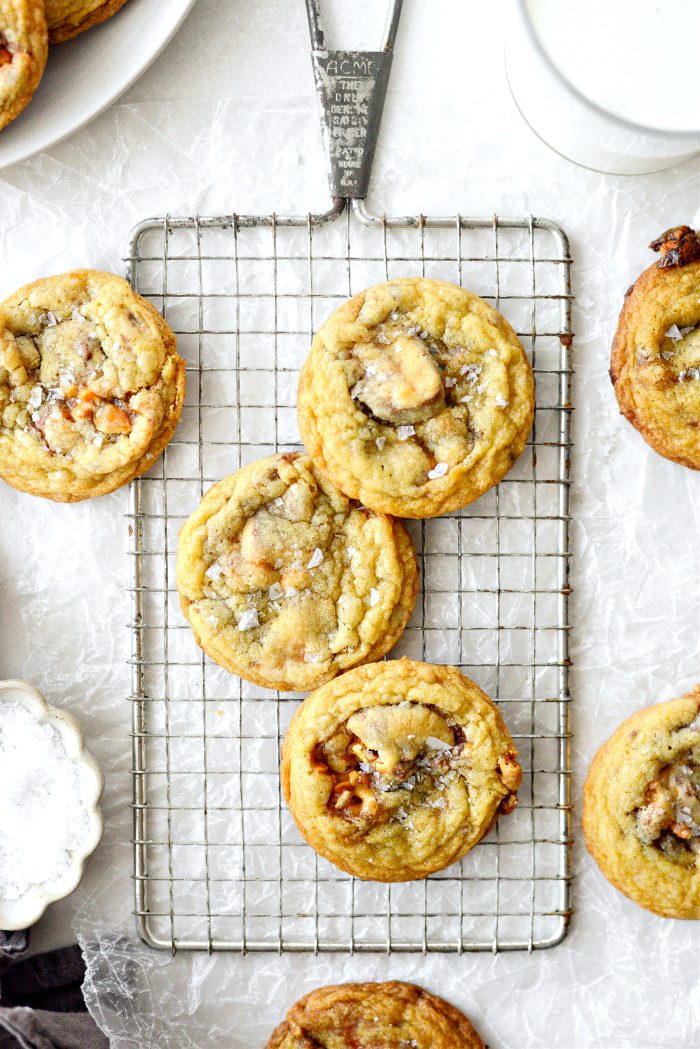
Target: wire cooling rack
[(218, 862)]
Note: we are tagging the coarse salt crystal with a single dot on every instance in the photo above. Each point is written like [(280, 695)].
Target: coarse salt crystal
[(436, 744), (450, 382), (685, 331), (98, 440), (291, 591), (439, 470), (35, 397), (373, 597), (667, 354), (424, 335), (674, 333), (52, 321), (316, 558), (248, 620), (394, 316), (501, 401), (380, 442), (214, 571), (76, 315), (365, 767), (404, 432), (44, 819), (467, 399), (382, 339), (275, 592)]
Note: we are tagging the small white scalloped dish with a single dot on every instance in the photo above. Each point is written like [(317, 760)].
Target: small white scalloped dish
[(21, 913)]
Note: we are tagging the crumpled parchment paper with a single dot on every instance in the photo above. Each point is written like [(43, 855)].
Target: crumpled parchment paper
[(243, 135)]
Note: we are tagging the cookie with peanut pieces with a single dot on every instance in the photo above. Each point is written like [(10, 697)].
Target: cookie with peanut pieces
[(416, 397), (286, 582), (381, 1015), (23, 50), (68, 18), (397, 769), (641, 808), (91, 386), (655, 362)]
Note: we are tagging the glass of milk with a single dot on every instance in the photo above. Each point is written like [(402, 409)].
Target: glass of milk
[(610, 84)]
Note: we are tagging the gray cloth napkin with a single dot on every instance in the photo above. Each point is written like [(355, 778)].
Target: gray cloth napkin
[(50, 983)]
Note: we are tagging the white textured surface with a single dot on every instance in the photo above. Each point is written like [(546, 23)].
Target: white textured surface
[(226, 120)]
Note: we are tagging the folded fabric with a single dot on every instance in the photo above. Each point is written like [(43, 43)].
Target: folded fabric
[(42, 1004)]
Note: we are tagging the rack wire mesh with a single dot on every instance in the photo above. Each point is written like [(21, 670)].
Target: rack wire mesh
[(218, 862)]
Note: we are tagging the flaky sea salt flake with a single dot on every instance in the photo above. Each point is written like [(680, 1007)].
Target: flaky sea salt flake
[(248, 620), (501, 401), (404, 432), (674, 333), (380, 442), (316, 558), (439, 470), (373, 597)]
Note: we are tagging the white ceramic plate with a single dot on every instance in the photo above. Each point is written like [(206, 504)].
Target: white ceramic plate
[(87, 74)]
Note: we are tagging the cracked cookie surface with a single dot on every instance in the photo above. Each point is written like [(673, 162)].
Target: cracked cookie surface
[(23, 51), (91, 386), (286, 582), (655, 362), (641, 813), (68, 18), (416, 397), (397, 769), (390, 1015)]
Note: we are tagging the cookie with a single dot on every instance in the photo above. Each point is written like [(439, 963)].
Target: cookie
[(23, 50), (91, 386), (396, 770), (655, 362), (286, 582), (416, 397), (381, 1015), (67, 18), (641, 808)]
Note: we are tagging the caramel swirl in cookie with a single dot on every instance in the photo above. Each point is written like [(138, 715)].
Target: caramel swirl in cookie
[(641, 814), (23, 53), (416, 397), (397, 769), (655, 361), (381, 1015), (286, 582), (91, 386)]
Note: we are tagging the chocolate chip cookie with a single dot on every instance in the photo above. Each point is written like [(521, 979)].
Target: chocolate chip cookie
[(641, 811), (416, 397), (23, 51), (286, 582), (381, 1015), (68, 18), (91, 386), (397, 769), (655, 363)]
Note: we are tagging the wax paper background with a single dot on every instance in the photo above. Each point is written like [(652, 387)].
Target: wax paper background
[(226, 120)]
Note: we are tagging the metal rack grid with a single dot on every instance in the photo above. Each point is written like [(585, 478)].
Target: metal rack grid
[(218, 862)]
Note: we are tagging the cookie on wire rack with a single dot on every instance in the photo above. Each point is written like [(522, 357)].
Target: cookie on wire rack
[(396, 770), (655, 362), (416, 397), (286, 582), (91, 386), (390, 1015), (23, 51)]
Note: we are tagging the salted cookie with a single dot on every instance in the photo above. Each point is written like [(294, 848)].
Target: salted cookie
[(641, 808), (286, 582), (67, 18), (23, 51), (416, 397), (398, 769), (377, 1015), (91, 386), (655, 363)]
